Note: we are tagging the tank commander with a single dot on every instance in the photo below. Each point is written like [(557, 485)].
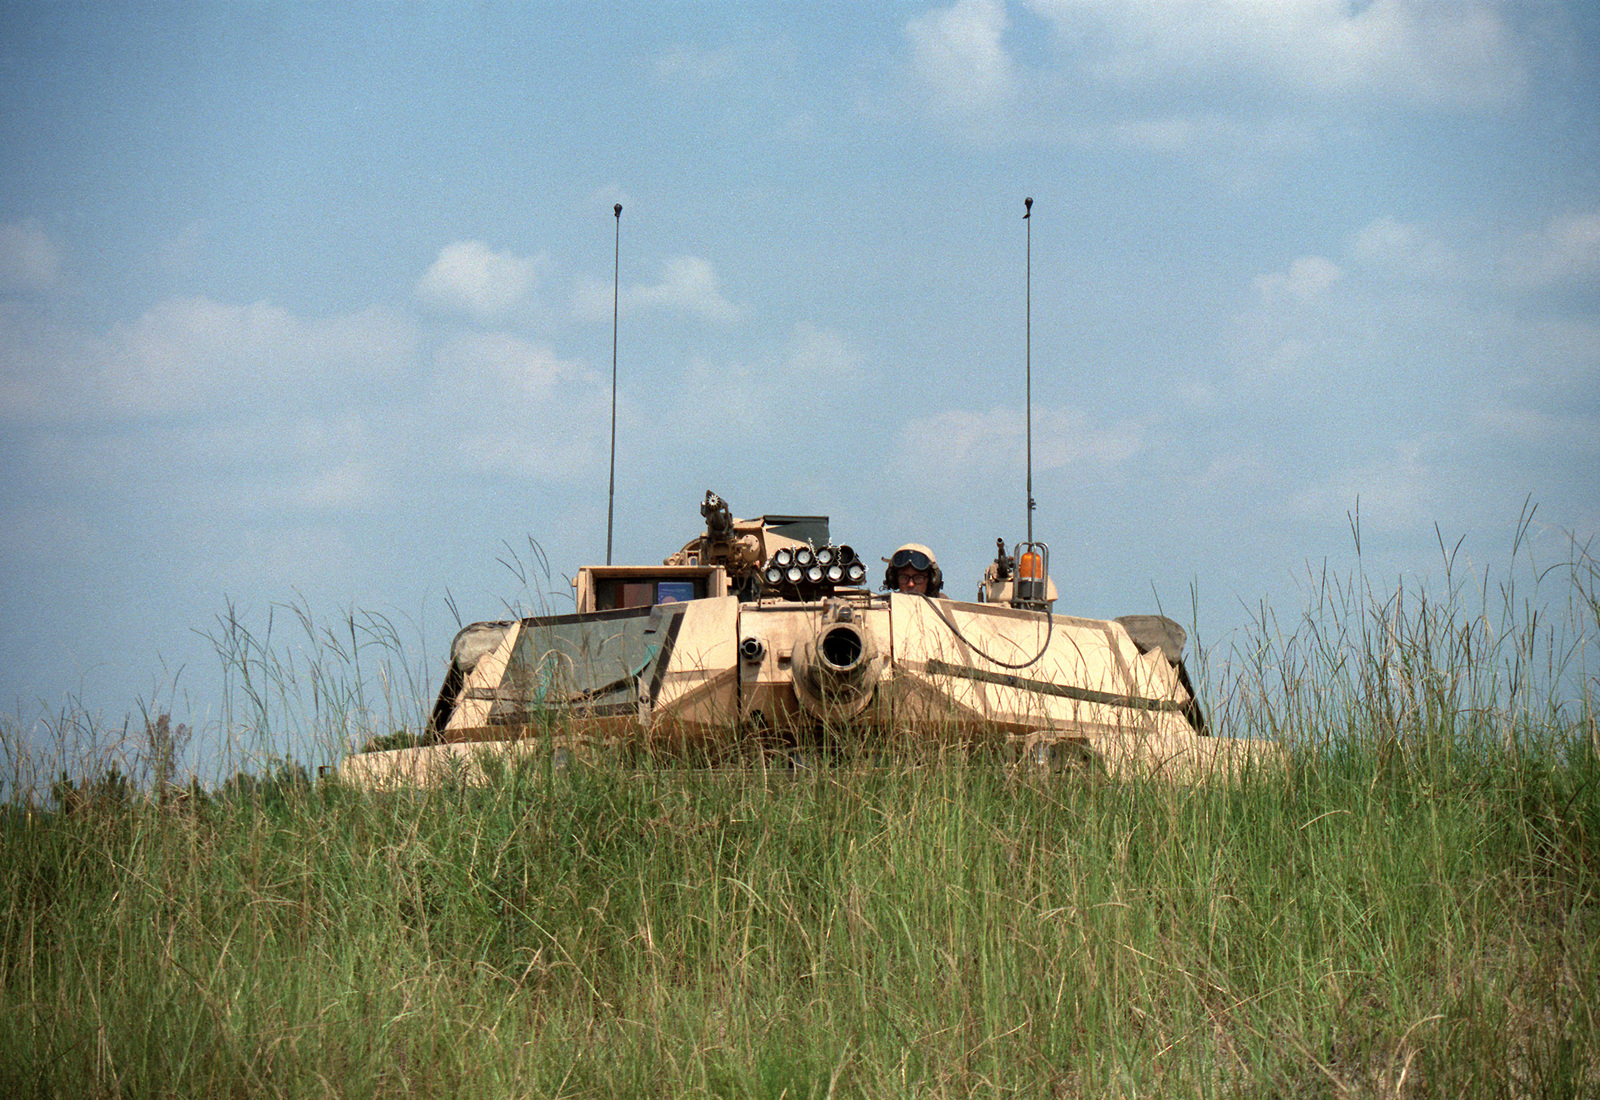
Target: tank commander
[(913, 569)]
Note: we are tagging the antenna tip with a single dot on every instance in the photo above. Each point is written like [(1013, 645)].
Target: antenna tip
[(618, 209), (1027, 204)]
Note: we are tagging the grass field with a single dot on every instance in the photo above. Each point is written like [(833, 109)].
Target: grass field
[(1410, 907)]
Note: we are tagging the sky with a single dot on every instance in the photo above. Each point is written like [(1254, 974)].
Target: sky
[(306, 309)]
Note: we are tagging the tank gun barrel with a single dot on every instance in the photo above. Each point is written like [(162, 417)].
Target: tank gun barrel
[(836, 668)]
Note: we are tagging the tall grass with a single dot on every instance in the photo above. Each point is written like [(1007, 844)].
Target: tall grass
[(292, 688), (1410, 907), (1420, 671)]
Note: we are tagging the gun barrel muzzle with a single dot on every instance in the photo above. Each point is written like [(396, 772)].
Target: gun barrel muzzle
[(835, 670)]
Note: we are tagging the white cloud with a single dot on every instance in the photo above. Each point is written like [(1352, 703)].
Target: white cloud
[(1283, 359), (1418, 51), (820, 354), (959, 55), (472, 278), (605, 198), (591, 300), (187, 353), (29, 259), (1570, 434), (782, 393), (346, 485), (1230, 81), (688, 285), (497, 366), (334, 460), (697, 65), (1392, 247), (1564, 250), (1408, 489), (241, 464), (1249, 466), (1306, 279), (191, 354), (40, 364), (965, 446), (1174, 133), (746, 87), (814, 374), (761, 67), (1553, 362), (513, 406), (494, 403), (1297, 335)]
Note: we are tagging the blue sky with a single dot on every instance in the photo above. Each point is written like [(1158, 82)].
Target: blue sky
[(311, 304)]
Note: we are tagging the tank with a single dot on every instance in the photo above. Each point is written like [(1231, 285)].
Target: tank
[(764, 637)]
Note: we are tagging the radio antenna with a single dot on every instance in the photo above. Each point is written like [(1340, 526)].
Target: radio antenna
[(611, 489), (1027, 206)]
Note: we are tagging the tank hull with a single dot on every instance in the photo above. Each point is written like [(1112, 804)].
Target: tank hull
[(720, 677)]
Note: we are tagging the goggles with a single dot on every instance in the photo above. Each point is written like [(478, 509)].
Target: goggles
[(916, 559)]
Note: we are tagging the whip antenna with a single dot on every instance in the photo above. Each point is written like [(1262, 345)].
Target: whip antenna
[(611, 489), (1027, 205)]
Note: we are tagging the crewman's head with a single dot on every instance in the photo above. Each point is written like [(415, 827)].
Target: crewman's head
[(913, 569)]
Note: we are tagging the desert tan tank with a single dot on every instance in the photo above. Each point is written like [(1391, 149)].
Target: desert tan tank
[(764, 635)]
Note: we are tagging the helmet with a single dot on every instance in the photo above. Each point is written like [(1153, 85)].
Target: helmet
[(917, 556)]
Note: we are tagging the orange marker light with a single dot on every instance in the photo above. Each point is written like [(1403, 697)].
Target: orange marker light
[(1030, 567)]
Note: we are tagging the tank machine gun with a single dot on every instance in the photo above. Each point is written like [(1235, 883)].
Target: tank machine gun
[(774, 556)]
